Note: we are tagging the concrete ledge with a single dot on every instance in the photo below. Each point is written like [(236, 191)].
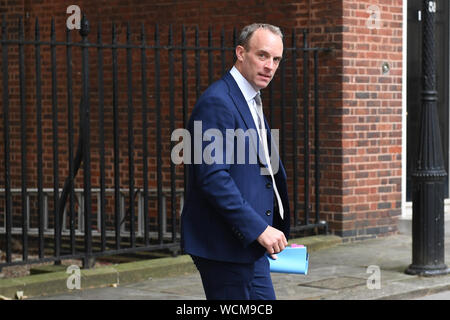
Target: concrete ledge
[(314, 243), (47, 269), (156, 268), (99, 277), (49, 283), (45, 282)]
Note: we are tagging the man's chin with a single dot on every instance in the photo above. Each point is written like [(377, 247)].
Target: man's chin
[(262, 85)]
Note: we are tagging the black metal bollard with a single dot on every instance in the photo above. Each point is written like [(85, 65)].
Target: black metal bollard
[(429, 174)]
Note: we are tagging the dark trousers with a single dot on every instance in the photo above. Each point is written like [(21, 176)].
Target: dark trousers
[(235, 281)]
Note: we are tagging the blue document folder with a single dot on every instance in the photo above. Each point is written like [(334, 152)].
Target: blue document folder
[(290, 260)]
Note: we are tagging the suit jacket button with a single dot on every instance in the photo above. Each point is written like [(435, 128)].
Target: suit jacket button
[(268, 212), (268, 185)]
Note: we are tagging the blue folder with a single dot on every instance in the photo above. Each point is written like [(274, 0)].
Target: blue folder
[(290, 260)]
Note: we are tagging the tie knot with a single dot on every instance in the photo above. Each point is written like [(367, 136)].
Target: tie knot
[(258, 99)]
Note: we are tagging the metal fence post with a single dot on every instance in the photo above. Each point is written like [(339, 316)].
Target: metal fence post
[(88, 261), (8, 199)]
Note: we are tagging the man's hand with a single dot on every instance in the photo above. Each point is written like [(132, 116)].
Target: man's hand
[(273, 240)]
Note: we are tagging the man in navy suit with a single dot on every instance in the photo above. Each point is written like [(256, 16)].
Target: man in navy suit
[(236, 211)]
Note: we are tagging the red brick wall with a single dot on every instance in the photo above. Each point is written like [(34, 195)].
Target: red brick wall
[(360, 108), (371, 120)]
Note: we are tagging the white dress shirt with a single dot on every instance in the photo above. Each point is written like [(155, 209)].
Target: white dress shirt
[(249, 94)]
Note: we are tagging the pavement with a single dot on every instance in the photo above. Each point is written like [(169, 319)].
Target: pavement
[(362, 270)]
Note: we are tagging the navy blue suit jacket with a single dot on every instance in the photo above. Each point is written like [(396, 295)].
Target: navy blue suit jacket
[(228, 205)]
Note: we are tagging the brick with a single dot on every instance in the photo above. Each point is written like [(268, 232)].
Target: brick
[(360, 108)]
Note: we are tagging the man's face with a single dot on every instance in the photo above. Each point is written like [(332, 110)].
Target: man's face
[(259, 63)]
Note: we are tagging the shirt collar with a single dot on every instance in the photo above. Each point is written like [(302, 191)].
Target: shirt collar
[(246, 88)]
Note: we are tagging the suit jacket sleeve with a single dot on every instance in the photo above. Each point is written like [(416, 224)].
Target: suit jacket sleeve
[(215, 181)]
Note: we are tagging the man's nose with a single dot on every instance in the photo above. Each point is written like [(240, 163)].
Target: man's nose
[(270, 64)]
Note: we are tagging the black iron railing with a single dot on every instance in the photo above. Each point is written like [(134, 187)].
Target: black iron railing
[(86, 220)]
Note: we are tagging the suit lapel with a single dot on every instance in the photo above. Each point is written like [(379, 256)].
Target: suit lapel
[(243, 109), (239, 101)]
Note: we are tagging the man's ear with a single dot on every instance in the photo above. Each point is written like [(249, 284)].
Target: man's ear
[(240, 53)]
